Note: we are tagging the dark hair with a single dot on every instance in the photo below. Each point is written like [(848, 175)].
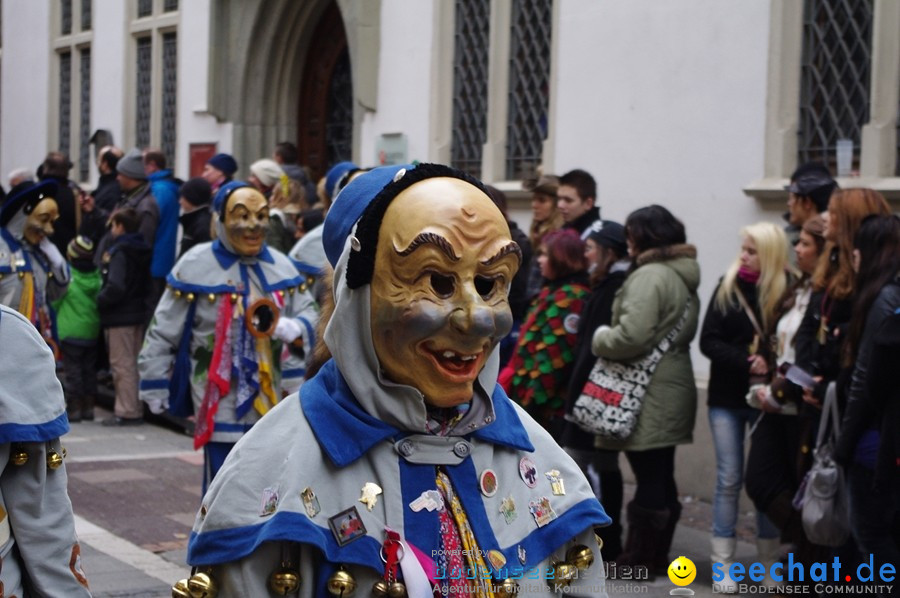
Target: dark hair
[(56, 164), (155, 157), (565, 250), (654, 226), (110, 157), (311, 218), (287, 151), (128, 218), (499, 198), (583, 182), (878, 243)]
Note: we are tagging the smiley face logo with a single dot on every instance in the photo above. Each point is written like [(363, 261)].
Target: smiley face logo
[(682, 571)]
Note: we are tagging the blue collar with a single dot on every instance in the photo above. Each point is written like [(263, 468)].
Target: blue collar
[(346, 432), (227, 259), (160, 175)]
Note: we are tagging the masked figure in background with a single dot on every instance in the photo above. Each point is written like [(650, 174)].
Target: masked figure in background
[(402, 467), (40, 553), (32, 270), (217, 348)]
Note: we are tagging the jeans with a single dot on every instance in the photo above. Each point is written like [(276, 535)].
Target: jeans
[(728, 427)]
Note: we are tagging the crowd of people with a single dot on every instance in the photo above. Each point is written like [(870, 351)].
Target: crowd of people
[(209, 299)]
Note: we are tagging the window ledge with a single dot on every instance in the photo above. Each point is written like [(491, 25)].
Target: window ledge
[(773, 189)]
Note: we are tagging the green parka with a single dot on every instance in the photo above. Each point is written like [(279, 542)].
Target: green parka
[(646, 308)]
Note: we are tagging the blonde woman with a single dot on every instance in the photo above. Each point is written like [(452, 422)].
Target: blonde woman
[(736, 338)]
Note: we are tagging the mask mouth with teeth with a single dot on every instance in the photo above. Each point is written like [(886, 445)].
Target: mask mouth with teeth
[(443, 263)]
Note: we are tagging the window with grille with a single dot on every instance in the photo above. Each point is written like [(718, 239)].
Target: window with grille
[(65, 101), (142, 88), (144, 8), (470, 84), (529, 86), (169, 89), (84, 132), (65, 14), (339, 131), (86, 15), (835, 77), (170, 5)]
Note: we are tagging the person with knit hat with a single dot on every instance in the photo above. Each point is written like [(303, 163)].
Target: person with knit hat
[(230, 335), (219, 170), (194, 223), (402, 463), (265, 176), (78, 326), (32, 270)]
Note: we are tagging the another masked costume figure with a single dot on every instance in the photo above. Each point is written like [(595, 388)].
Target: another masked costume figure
[(39, 553), (204, 354), (402, 466), (32, 270)]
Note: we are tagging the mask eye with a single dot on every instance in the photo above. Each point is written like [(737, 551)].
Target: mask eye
[(442, 284), (485, 286)]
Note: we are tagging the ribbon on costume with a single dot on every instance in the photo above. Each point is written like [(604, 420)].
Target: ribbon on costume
[(219, 375)]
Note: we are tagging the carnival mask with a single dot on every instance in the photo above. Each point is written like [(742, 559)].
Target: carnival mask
[(246, 220), (439, 304), (39, 223)]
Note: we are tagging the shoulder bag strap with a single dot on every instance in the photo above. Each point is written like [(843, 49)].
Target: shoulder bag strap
[(829, 416), (750, 314)]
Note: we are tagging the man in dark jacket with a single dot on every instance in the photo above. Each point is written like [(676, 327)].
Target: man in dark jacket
[(107, 193), (195, 216), (56, 168), (576, 200), (122, 303)]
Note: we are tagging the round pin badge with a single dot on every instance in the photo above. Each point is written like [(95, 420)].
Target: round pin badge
[(528, 472), (488, 482)]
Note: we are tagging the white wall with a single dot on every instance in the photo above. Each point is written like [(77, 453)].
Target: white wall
[(112, 73), (25, 86), (404, 84), (664, 102), (194, 124)]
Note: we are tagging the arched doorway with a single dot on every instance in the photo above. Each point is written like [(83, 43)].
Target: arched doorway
[(325, 111)]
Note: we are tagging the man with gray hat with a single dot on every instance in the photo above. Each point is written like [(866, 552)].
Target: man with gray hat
[(136, 194)]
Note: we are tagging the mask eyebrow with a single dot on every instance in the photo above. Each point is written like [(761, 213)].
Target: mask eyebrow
[(435, 239), (511, 247)]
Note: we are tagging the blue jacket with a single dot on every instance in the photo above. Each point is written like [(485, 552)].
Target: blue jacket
[(165, 189)]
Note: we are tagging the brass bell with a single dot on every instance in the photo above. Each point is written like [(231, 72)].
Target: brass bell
[(201, 585), (397, 590), (189, 297), (234, 297), (54, 460), (180, 589), (178, 293), (380, 589), (290, 290), (21, 275), (341, 583), (19, 456), (284, 581), (564, 573), (581, 556), (211, 297), (508, 588), (302, 287)]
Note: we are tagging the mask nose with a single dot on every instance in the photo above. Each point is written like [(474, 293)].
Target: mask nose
[(473, 317)]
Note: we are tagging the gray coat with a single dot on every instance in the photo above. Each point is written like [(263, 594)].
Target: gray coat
[(39, 551)]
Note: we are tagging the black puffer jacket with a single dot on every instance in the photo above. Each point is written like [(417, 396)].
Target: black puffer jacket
[(126, 282)]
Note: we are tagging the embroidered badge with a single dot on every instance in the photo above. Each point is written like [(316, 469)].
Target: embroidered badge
[(488, 482), (570, 323), (496, 558), (521, 551), (542, 511), (528, 472), (310, 502), (347, 526), (508, 508)]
